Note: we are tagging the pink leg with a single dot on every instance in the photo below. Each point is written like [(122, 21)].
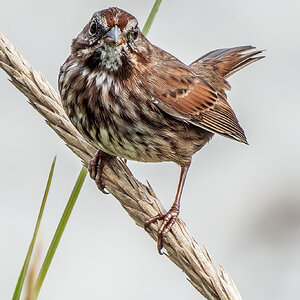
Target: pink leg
[(95, 168), (170, 217)]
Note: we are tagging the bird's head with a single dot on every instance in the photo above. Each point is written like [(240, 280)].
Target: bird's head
[(110, 36)]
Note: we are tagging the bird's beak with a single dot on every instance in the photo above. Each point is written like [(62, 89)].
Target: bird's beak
[(114, 36)]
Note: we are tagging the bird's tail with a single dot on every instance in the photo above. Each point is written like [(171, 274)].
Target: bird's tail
[(226, 62)]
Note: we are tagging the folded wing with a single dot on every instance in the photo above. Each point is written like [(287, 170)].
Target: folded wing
[(196, 94)]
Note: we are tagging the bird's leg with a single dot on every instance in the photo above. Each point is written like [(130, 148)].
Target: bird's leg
[(170, 217), (95, 168)]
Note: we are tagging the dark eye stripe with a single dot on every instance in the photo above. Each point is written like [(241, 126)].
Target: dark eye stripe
[(135, 33)]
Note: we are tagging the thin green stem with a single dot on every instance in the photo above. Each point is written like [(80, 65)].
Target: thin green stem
[(59, 231), (151, 17), (20, 283)]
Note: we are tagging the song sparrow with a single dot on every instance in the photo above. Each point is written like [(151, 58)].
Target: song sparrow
[(133, 100)]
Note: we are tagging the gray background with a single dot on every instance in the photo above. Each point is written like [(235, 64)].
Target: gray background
[(241, 202)]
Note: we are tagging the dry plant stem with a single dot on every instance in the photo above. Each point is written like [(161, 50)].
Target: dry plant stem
[(137, 199)]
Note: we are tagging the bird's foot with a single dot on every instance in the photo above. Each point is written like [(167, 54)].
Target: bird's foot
[(168, 221), (95, 168)]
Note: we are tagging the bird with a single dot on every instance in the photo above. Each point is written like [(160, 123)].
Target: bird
[(133, 100)]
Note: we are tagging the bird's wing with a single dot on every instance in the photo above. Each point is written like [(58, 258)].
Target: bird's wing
[(185, 95)]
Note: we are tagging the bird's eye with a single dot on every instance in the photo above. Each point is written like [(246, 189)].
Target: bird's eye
[(93, 28), (135, 33)]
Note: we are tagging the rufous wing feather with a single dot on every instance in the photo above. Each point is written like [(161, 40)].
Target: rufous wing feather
[(190, 97)]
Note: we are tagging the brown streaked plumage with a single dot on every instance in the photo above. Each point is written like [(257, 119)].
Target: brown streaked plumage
[(133, 100)]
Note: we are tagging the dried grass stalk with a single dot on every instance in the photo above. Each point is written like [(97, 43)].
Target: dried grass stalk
[(137, 199)]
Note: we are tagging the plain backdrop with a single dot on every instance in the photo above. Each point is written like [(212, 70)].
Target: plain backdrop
[(242, 202)]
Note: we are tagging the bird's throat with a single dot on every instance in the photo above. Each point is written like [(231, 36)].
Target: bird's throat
[(111, 58)]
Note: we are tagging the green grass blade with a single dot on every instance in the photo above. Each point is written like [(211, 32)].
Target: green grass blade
[(20, 282), (151, 17), (59, 231)]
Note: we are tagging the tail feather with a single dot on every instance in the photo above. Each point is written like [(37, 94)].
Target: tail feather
[(226, 62)]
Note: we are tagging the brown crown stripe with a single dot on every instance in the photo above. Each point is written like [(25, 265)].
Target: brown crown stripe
[(114, 16)]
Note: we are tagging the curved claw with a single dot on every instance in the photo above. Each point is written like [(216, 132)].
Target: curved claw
[(168, 221), (95, 169)]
